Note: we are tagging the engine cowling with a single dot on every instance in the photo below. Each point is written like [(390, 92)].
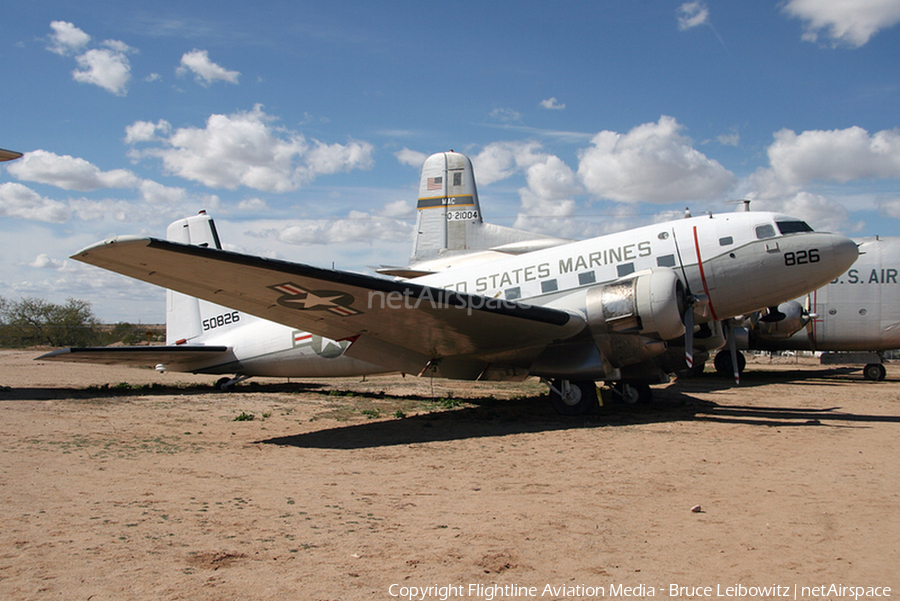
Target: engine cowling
[(795, 318), (649, 303)]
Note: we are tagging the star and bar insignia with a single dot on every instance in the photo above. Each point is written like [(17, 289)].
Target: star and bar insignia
[(303, 299)]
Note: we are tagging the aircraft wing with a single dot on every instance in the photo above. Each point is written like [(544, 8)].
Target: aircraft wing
[(431, 322), (170, 356)]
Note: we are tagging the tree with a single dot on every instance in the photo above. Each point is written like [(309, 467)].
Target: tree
[(33, 321)]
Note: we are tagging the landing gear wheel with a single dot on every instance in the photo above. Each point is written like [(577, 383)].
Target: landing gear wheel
[(723, 363), (874, 371), (224, 384), (633, 394), (573, 398)]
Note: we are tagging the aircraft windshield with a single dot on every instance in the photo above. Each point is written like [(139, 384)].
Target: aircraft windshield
[(792, 227)]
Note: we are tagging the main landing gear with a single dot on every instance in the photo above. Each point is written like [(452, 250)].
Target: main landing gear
[(580, 397), (874, 371), (227, 384), (573, 398)]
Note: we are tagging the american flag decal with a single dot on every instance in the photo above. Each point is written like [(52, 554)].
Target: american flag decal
[(298, 297), (435, 183)]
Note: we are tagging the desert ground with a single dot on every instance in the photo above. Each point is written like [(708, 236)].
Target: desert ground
[(122, 483)]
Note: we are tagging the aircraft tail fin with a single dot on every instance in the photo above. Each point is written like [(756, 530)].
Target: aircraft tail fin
[(183, 313), (448, 216)]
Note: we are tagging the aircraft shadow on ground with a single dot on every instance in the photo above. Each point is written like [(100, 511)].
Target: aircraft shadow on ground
[(491, 417), (124, 389)]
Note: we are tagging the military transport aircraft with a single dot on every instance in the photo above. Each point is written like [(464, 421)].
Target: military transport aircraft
[(855, 318), (571, 313)]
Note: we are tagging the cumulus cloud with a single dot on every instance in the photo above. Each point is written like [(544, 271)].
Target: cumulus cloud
[(104, 67), (653, 162), (692, 14), (411, 157), (500, 160), (552, 104), (21, 201), (145, 131), (204, 70), (69, 173), (835, 155), (505, 115), (245, 149), (43, 261), (66, 38), (849, 22), (107, 67)]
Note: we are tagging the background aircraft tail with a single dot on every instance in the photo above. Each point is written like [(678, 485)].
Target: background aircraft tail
[(448, 217), (184, 314)]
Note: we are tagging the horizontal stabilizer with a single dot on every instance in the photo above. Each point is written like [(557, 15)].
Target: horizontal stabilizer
[(9, 155), (169, 356)]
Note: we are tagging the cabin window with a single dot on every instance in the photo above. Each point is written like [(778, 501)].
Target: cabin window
[(586, 277), (792, 227), (765, 231), (549, 286), (727, 240), (666, 261), (513, 293), (625, 269)]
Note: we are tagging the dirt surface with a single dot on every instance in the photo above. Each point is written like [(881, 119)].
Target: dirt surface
[(120, 483)]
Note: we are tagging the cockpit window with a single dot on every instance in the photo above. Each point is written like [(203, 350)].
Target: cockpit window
[(792, 227), (765, 231)]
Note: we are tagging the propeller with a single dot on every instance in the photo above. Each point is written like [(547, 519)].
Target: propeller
[(692, 302), (732, 349)]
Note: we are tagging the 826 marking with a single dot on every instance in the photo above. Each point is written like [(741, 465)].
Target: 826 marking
[(802, 257), (221, 320)]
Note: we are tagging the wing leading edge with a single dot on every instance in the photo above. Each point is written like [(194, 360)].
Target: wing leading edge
[(430, 322)]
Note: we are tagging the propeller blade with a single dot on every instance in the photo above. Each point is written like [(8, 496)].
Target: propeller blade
[(689, 336), (732, 348)]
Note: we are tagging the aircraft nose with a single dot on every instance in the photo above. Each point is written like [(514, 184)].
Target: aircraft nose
[(845, 252)]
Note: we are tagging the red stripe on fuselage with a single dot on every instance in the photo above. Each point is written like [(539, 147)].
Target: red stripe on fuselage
[(703, 275)]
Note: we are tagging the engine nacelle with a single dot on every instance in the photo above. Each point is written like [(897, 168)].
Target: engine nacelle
[(795, 318), (650, 303)]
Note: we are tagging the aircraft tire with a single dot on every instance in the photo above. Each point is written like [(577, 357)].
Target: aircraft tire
[(578, 398), (723, 363), (223, 384), (875, 372), (633, 393)]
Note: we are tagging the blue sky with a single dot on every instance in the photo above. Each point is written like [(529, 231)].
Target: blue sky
[(301, 126)]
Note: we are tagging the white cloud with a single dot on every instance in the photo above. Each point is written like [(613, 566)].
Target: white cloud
[(66, 38), (398, 209), (22, 202), (820, 212), (244, 149), (106, 67), (411, 157), (69, 173), (552, 104), (252, 204), (43, 261), (835, 155), (145, 131), (204, 70), (692, 14), (651, 163), (850, 22), (358, 226), (500, 160)]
